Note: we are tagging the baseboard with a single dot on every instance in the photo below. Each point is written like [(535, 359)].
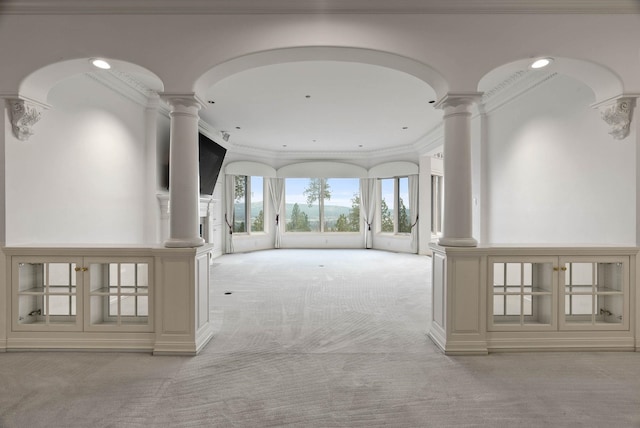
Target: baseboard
[(67, 344), (561, 344)]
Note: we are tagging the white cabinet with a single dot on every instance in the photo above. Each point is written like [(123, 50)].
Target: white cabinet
[(108, 298), (516, 298), (82, 294), (558, 293)]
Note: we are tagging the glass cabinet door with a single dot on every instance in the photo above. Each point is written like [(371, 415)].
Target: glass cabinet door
[(521, 293), (118, 294), (47, 294), (595, 293)]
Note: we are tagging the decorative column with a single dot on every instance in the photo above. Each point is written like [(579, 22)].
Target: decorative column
[(184, 178), (458, 228)]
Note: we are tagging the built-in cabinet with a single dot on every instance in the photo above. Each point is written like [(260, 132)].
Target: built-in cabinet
[(109, 298), (501, 298), (558, 293), (82, 294)]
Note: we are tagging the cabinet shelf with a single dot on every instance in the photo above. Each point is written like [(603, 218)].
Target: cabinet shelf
[(535, 291), (113, 291)]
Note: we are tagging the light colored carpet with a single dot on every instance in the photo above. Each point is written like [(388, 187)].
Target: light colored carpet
[(312, 338)]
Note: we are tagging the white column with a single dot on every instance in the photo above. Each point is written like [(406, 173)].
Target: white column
[(151, 211), (184, 175), (424, 206), (458, 226)]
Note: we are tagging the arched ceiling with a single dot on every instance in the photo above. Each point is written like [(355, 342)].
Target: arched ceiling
[(321, 107)]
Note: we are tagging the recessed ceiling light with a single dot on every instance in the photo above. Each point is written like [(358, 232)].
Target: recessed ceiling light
[(237, 127), (314, 140), (432, 101), (100, 63), (307, 96), (360, 145), (540, 63), (211, 102), (284, 145), (405, 127)]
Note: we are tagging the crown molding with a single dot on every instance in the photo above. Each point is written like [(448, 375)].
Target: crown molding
[(222, 7), (125, 85), (513, 87), (322, 155), (433, 139)]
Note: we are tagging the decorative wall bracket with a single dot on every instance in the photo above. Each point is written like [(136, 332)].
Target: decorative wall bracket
[(23, 115), (617, 114)]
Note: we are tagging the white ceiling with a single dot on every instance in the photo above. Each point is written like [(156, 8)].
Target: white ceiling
[(321, 106)]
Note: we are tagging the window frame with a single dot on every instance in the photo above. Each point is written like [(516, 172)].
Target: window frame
[(396, 207), (437, 204), (248, 225), (322, 227)]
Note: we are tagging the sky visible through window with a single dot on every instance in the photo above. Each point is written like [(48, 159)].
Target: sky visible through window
[(342, 191)]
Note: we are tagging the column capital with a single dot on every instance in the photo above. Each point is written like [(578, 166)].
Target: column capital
[(184, 100), (617, 113), (24, 114), (458, 99)]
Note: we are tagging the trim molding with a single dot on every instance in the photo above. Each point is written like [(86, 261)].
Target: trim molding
[(125, 85), (513, 87), (225, 7)]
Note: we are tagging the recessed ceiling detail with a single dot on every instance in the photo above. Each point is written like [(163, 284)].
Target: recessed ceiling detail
[(341, 104)]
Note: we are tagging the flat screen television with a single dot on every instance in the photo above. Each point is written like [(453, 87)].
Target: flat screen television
[(211, 157)]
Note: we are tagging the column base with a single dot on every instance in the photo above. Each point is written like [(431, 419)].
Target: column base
[(457, 242), (184, 243)]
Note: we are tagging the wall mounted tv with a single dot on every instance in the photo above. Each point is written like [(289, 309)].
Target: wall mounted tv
[(211, 158)]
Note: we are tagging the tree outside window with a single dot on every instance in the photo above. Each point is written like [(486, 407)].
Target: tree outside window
[(394, 192), (248, 206), (322, 204)]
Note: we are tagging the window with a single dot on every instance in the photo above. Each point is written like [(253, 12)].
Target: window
[(248, 205), (387, 205), (322, 204), (436, 204), (394, 192)]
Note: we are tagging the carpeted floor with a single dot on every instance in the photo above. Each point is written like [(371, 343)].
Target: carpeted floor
[(320, 338)]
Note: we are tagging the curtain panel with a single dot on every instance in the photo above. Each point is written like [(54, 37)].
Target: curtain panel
[(229, 198), (413, 203), (368, 208), (276, 190)]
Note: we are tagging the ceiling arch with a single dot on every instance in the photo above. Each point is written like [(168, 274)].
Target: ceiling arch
[(322, 101), (324, 53), (604, 82), (36, 86)]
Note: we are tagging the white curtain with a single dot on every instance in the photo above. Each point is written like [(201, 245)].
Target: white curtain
[(368, 208), (413, 204), (229, 198), (276, 190)]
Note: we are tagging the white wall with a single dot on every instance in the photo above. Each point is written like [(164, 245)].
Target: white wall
[(81, 177), (554, 173)]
